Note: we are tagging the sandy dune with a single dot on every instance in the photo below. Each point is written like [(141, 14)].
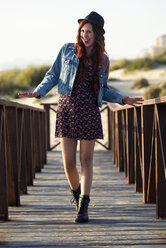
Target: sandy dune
[(125, 82)]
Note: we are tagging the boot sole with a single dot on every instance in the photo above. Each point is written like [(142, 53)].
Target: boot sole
[(81, 221)]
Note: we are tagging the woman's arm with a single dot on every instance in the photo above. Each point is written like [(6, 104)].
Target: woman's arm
[(49, 81), (116, 97)]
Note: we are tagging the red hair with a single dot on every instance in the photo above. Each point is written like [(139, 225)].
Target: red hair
[(97, 56)]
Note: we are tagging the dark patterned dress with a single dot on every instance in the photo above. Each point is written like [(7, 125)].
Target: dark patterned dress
[(78, 115)]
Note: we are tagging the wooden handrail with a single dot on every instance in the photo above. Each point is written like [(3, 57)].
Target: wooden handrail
[(22, 150), (117, 107), (138, 143)]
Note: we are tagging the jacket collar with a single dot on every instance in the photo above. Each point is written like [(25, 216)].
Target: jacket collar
[(72, 47)]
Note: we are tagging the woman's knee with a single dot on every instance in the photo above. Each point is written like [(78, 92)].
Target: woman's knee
[(70, 166), (86, 160)]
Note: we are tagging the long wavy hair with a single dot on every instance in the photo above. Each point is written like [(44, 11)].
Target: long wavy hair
[(97, 56)]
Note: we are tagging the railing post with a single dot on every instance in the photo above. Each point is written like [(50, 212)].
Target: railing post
[(109, 127), (36, 138), (124, 146), (147, 118), (3, 181), (120, 142), (137, 150), (13, 186), (29, 145), (47, 109), (130, 145), (113, 135), (22, 152), (160, 160)]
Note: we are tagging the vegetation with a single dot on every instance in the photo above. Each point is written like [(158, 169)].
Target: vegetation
[(140, 83), (123, 63), (12, 81), (155, 90), (135, 64), (163, 92), (163, 85), (152, 91), (140, 63), (160, 58)]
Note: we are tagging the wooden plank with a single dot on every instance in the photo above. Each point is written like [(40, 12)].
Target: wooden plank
[(117, 107), (147, 115), (36, 142), (116, 148), (160, 157), (18, 105), (120, 142), (43, 137), (29, 146), (12, 156), (124, 142), (113, 135), (109, 127), (22, 152), (3, 183), (47, 109), (137, 150), (130, 145), (151, 188), (117, 216)]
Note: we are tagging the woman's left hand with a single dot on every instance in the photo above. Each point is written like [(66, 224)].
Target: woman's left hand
[(132, 101)]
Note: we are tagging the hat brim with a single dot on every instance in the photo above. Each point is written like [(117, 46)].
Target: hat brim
[(80, 20)]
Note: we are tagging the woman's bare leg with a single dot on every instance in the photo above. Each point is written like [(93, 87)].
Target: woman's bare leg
[(69, 147), (86, 158)]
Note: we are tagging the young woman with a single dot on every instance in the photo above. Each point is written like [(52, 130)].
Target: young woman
[(81, 72)]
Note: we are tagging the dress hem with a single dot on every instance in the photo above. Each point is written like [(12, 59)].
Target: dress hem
[(65, 136)]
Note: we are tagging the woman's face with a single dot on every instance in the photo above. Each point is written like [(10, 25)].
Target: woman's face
[(87, 36)]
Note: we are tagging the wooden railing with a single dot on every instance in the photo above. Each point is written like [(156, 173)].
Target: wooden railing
[(22, 151), (137, 138)]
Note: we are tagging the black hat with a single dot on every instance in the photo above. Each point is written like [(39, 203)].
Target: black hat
[(95, 18)]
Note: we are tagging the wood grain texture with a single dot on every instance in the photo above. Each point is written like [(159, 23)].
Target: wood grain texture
[(118, 218)]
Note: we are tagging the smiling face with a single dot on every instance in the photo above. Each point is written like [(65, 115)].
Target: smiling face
[(87, 36)]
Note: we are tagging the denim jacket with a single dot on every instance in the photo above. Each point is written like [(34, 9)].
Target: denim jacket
[(63, 73)]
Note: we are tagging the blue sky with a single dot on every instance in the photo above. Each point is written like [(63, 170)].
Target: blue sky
[(33, 31)]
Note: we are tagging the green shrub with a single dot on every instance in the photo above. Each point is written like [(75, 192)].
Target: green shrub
[(32, 75), (163, 92), (12, 81), (140, 83), (120, 64), (140, 64), (7, 80), (160, 58), (163, 85), (113, 79), (135, 64), (152, 91)]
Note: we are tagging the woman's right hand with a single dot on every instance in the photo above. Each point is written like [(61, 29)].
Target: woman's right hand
[(27, 94)]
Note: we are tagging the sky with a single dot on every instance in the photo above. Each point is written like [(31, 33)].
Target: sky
[(33, 31)]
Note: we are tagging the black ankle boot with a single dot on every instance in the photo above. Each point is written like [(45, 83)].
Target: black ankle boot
[(82, 215), (76, 194)]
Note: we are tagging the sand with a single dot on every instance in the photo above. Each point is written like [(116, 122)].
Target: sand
[(125, 82)]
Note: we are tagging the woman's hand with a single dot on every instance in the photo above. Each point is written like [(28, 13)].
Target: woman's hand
[(26, 94), (132, 101)]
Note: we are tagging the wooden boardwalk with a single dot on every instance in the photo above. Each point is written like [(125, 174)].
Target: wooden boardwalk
[(118, 218)]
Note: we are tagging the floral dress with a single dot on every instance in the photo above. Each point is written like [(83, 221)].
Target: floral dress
[(78, 115)]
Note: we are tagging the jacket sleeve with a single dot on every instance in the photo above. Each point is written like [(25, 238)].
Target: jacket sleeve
[(51, 78), (109, 95)]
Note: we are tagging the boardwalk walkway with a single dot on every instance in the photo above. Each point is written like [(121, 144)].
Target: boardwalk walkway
[(118, 218)]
